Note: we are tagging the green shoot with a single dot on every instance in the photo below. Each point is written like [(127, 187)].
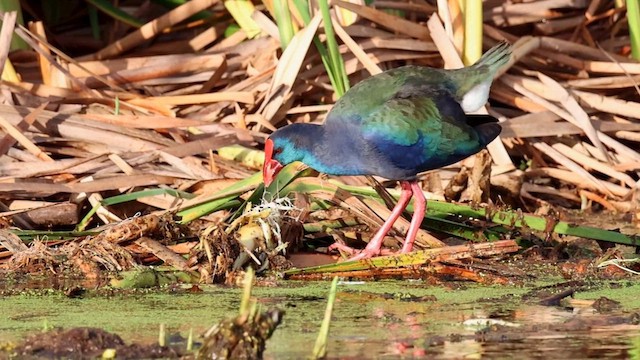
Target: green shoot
[(303, 9), (633, 16), (116, 13), (337, 64), (283, 19), (116, 110), (190, 340), (14, 5), (162, 335), (320, 349), (245, 302), (95, 22), (119, 199)]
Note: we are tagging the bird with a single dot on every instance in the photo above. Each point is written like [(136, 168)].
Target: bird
[(395, 125)]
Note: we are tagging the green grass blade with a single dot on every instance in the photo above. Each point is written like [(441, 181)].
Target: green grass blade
[(27, 235), (115, 12), (14, 5), (190, 340), (116, 109), (94, 21), (228, 202), (245, 301), (223, 199), (320, 348), (303, 9), (241, 10), (283, 19), (119, 199), (512, 218), (633, 16), (509, 218), (336, 63), (162, 335)]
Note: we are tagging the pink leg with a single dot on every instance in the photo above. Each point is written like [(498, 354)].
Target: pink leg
[(419, 206), (373, 248)]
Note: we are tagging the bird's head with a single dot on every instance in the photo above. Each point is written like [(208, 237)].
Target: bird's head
[(290, 143)]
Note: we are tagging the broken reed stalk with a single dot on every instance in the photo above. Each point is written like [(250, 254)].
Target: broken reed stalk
[(472, 31), (416, 258), (162, 335)]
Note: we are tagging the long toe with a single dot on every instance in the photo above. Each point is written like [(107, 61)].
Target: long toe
[(356, 254), (343, 248), (365, 254)]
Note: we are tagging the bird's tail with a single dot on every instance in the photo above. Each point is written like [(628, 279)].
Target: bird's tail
[(486, 126), (474, 81), (494, 59), (484, 69)]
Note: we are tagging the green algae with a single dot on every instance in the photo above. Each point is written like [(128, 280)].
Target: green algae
[(137, 316), (368, 316), (625, 292)]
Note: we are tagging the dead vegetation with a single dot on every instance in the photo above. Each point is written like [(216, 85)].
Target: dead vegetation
[(150, 113)]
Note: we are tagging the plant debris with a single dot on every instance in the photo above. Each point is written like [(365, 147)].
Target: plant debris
[(146, 137)]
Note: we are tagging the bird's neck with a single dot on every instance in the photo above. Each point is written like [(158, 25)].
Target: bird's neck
[(331, 149)]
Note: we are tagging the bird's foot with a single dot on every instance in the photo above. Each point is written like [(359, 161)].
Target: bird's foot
[(357, 254)]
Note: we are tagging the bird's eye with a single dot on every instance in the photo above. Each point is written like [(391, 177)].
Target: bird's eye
[(277, 151)]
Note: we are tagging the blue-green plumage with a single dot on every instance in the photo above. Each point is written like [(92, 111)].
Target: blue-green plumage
[(399, 123)]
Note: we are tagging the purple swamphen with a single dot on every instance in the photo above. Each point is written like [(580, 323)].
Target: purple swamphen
[(395, 125)]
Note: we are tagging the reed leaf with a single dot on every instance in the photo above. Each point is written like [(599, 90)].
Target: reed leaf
[(46, 235), (94, 21), (303, 9), (224, 199), (633, 16), (472, 31), (116, 13), (119, 199), (242, 10), (14, 5), (337, 64), (283, 19)]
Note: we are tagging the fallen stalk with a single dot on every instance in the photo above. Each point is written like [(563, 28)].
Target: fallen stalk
[(414, 258)]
